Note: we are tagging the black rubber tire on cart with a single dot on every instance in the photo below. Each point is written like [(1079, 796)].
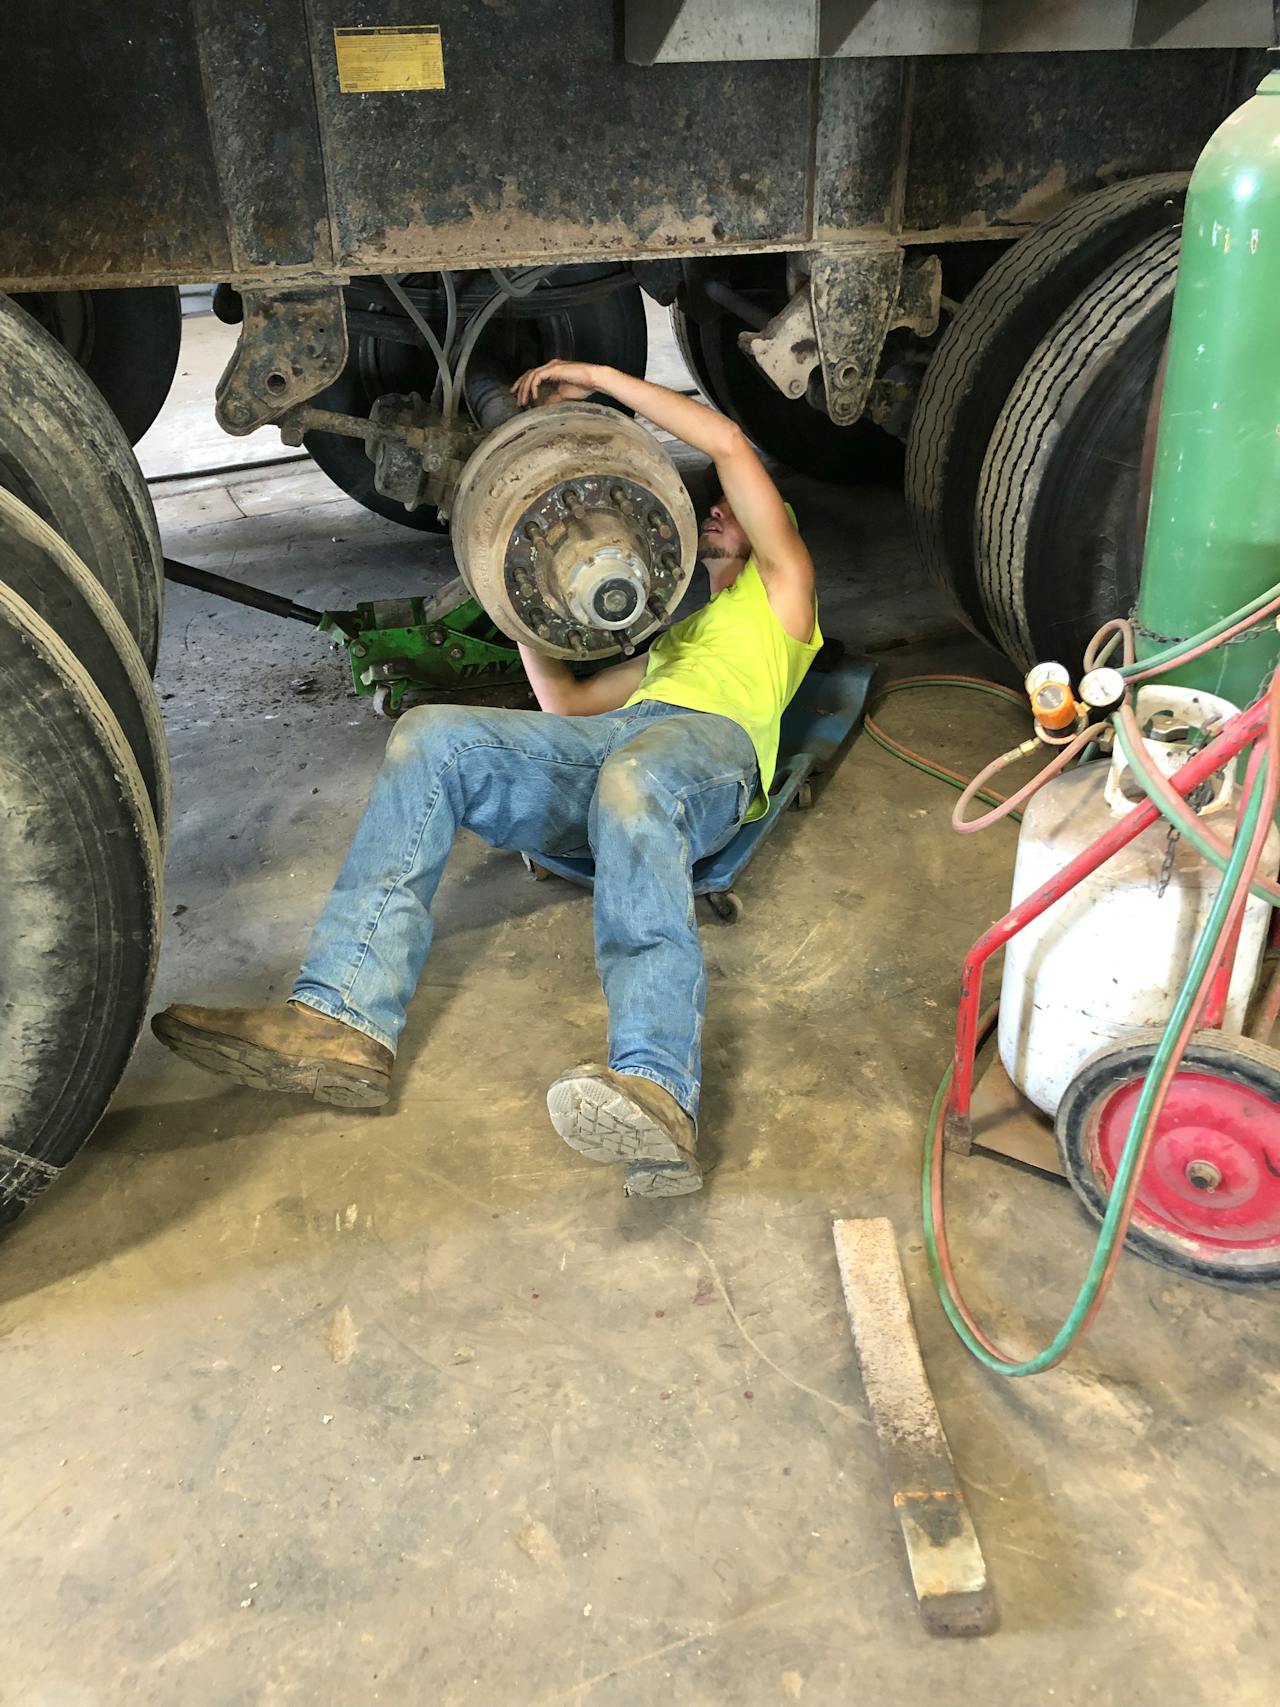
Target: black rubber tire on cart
[(985, 348), (1057, 540), (44, 571), (611, 329), (79, 909), (1174, 1226), (788, 429), (64, 453), (127, 341)]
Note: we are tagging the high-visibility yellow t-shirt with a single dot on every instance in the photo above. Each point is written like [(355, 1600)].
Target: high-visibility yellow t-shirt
[(733, 657)]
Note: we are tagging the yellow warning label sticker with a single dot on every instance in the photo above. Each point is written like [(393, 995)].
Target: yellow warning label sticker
[(409, 56)]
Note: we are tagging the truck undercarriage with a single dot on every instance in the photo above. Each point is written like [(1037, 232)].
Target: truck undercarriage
[(949, 228)]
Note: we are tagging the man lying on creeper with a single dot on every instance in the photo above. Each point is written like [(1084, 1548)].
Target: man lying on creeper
[(646, 766)]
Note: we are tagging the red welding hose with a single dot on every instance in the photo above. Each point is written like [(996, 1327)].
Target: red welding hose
[(1245, 623), (968, 826), (912, 757), (921, 761), (1119, 628)]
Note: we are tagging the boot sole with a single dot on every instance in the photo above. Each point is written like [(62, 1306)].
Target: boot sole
[(261, 1069), (602, 1123)]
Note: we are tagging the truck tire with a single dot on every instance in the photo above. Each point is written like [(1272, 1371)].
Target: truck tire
[(986, 347), (127, 341), (788, 429), (64, 453), (44, 571), (612, 329), (1057, 537), (689, 343), (79, 908)]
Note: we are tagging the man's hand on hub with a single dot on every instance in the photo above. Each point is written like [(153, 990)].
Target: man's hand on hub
[(781, 557), (564, 382)]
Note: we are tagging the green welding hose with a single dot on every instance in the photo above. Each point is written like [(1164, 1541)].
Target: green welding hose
[(918, 761), (1141, 770), (1109, 1236), (974, 684), (1171, 654)]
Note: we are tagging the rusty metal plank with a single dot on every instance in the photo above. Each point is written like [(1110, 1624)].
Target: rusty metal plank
[(177, 140), (546, 144), (169, 142)]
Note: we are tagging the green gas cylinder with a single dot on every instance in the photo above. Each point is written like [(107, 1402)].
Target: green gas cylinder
[(1213, 535)]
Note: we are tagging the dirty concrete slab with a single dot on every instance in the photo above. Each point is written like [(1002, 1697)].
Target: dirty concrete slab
[(308, 1405)]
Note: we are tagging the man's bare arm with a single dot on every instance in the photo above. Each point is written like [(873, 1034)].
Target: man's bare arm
[(556, 688)]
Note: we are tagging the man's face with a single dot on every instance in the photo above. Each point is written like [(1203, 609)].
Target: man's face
[(722, 537)]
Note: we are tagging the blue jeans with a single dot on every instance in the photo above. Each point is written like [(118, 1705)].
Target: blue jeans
[(645, 791)]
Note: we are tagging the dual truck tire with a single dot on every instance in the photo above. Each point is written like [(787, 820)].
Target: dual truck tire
[(127, 341), (1023, 463), (84, 784)]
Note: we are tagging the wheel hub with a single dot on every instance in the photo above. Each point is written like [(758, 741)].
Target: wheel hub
[(574, 530), (1203, 1175), (608, 588), (1213, 1171)]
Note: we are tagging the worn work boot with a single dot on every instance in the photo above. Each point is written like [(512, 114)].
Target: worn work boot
[(284, 1048), (620, 1117)]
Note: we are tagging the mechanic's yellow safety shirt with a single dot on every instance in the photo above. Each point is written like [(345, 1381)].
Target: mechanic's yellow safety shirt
[(733, 657)]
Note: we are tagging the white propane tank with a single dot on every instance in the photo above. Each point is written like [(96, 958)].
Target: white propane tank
[(1112, 954)]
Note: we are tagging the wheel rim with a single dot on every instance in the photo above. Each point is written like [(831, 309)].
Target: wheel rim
[(1208, 1198), (1213, 1172)]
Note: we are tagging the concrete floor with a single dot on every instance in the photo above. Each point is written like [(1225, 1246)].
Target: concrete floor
[(308, 1406)]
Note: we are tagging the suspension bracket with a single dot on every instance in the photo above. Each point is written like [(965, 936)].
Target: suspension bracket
[(292, 344)]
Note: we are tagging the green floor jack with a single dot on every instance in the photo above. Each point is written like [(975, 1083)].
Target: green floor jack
[(394, 646)]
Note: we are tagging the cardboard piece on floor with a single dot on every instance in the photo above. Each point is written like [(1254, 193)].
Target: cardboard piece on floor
[(1009, 1124), (948, 1571)]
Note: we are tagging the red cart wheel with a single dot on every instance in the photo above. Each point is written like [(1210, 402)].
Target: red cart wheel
[(1208, 1202)]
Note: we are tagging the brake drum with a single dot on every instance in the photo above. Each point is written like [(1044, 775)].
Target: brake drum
[(573, 528)]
